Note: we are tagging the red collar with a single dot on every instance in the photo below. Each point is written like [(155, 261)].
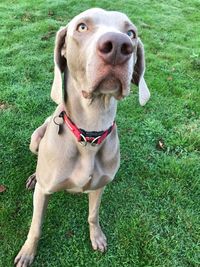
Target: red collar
[(84, 137)]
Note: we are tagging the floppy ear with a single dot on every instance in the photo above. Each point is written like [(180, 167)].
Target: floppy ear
[(60, 63), (138, 75)]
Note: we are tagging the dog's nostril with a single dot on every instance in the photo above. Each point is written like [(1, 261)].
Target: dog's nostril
[(106, 47), (114, 48), (126, 49)]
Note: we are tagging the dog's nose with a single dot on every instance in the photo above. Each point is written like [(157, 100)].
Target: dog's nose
[(114, 48)]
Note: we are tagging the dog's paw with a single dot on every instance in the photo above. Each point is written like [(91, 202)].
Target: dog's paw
[(25, 257), (98, 239), (31, 182)]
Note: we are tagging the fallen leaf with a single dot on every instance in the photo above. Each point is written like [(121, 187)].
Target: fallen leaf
[(145, 26), (50, 13), (169, 78), (48, 35), (2, 188), (4, 106), (69, 234), (160, 144)]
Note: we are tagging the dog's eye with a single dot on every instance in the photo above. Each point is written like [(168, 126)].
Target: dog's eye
[(131, 34), (82, 27)]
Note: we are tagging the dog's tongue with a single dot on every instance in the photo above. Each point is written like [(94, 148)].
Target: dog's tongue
[(86, 94)]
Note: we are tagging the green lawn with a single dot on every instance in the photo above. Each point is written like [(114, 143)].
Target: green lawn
[(151, 212)]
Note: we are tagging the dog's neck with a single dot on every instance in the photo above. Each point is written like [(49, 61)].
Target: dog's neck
[(95, 114)]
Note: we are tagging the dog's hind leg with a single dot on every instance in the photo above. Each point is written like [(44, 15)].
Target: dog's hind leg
[(31, 182), (34, 147), (37, 136)]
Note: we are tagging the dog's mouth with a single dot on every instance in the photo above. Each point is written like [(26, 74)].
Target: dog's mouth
[(109, 85)]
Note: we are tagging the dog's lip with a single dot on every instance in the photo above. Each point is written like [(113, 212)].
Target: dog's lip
[(87, 95), (117, 93), (110, 82), (115, 73)]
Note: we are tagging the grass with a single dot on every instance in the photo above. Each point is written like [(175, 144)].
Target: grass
[(150, 213)]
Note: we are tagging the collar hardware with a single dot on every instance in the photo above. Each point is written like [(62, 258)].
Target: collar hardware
[(84, 137)]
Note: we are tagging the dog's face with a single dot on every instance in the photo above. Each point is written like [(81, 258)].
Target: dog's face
[(101, 47), (102, 52)]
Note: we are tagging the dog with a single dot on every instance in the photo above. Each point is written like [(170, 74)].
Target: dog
[(100, 54)]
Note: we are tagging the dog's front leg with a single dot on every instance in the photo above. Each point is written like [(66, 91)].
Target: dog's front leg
[(97, 237), (26, 254)]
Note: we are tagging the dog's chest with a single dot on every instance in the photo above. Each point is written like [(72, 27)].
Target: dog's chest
[(88, 172), (79, 170), (64, 164), (91, 173)]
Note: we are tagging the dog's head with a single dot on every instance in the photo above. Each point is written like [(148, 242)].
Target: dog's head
[(102, 53)]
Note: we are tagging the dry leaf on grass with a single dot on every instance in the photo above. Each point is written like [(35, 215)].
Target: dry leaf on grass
[(2, 188), (48, 35), (170, 78), (160, 144), (69, 233)]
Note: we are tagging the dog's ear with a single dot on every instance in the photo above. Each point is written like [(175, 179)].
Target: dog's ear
[(60, 64), (138, 75)]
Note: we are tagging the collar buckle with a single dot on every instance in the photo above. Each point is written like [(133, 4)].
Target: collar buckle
[(83, 140), (95, 141)]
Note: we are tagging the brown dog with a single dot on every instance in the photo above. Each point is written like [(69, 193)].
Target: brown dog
[(100, 53)]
